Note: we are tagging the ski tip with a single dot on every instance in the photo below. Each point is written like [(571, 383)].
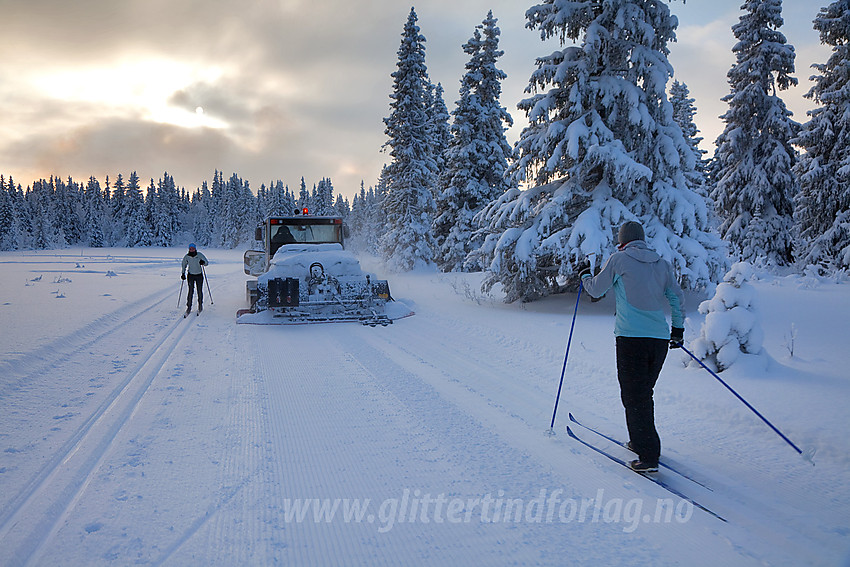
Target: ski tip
[(809, 455)]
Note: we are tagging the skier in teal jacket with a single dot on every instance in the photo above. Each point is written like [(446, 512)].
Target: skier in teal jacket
[(193, 262), (644, 287)]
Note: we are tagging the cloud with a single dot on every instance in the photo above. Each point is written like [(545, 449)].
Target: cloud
[(288, 87), (179, 151)]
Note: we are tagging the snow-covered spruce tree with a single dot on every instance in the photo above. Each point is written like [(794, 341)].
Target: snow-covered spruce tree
[(731, 321), (263, 202), (8, 219), (134, 208), (323, 203), (341, 208), (94, 214), (407, 242), (148, 214), (822, 207), (166, 210), (238, 213), (369, 220), (439, 132), (304, 199), (683, 113), (117, 216), (201, 228), (477, 156), (754, 156), (281, 202), (601, 148)]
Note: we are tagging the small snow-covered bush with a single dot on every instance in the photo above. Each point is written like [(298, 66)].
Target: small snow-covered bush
[(731, 320)]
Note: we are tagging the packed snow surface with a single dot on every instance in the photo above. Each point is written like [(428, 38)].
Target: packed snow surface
[(129, 435)]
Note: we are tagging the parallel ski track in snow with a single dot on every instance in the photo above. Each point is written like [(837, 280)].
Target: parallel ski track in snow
[(60, 350), (33, 516), (237, 525), (476, 370), (341, 412)]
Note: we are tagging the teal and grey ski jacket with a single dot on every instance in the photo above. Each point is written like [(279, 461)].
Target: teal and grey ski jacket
[(644, 284), (194, 263)]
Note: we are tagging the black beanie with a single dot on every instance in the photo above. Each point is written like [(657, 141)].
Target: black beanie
[(630, 231)]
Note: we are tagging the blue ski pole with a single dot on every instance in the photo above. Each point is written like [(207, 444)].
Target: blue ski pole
[(564, 369), (807, 455)]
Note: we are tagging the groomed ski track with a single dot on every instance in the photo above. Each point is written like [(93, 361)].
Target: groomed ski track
[(154, 439)]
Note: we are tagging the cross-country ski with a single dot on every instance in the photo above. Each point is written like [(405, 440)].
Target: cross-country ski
[(663, 483), (662, 462)]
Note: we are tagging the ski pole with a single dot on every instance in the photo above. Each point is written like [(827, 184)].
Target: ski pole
[(807, 455), (564, 369), (180, 293), (209, 291)]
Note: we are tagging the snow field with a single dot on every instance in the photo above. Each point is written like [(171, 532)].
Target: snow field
[(131, 435)]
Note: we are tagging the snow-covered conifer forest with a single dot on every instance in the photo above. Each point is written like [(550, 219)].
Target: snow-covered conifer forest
[(610, 137)]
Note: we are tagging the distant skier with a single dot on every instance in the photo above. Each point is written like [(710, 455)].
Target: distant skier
[(644, 284), (193, 262)]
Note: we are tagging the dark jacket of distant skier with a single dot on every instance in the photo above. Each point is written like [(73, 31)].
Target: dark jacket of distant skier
[(644, 286), (193, 262)]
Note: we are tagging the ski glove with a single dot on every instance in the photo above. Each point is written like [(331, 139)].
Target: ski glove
[(677, 337), (583, 275), (182, 276), (203, 263)]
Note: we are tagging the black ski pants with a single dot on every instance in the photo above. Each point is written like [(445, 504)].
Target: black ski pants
[(195, 280), (639, 361)]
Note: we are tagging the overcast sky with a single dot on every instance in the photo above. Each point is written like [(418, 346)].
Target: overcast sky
[(280, 89)]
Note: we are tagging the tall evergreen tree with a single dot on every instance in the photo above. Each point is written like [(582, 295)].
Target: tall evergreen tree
[(230, 213), (118, 215), (601, 148), (323, 204), (147, 235), (166, 211), (304, 199), (8, 219), (94, 214), (69, 218), (754, 157), (25, 215), (134, 207), (439, 132), (216, 207), (280, 200), (683, 113), (822, 206), (341, 208), (263, 202), (409, 203), (477, 155), (201, 219)]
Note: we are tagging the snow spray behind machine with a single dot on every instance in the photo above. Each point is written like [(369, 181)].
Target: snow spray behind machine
[(304, 275)]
